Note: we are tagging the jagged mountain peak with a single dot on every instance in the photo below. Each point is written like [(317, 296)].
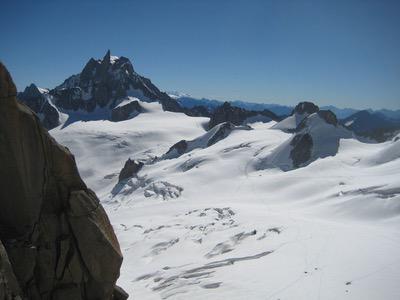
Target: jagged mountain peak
[(100, 87), (32, 90), (107, 57)]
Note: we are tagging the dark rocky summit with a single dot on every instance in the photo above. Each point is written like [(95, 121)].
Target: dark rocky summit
[(305, 108), (101, 86), (102, 83), (56, 239), (131, 168), (236, 115), (40, 102)]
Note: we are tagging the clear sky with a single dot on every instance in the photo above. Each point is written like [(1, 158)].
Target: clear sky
[(345, 53)]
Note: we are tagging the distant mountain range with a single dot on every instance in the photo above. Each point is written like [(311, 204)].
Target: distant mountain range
[(281, 110), (110, 89)]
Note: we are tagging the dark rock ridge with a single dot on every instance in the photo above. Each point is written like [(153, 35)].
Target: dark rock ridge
[(125, 111), (130, 169), (235, 115), (58, 241), (101, 85), (372, 125), (40, 102), (177, 149), (213, 136)]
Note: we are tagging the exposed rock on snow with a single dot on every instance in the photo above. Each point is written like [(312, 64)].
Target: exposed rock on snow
[(131, 168), (238, 116), (302, 148), (126, 110), (316, 136), (299, 113), (216, 134), (59, 241)]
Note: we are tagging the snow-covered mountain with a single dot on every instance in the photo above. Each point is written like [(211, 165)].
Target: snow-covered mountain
[(316, 136), (106, 88), (226, 202), (214, 221)]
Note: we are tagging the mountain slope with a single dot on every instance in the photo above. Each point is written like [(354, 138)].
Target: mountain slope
[(317, 136), (196, 225)]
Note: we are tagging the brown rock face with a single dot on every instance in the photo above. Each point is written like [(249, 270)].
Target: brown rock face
[(58, 241)]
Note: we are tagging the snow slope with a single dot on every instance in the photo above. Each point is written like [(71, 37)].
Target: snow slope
[(209, 225)]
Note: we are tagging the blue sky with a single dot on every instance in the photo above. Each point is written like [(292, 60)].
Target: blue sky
[(345, 53)]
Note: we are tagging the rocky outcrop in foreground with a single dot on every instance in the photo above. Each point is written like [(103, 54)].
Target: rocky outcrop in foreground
[(56, 239)]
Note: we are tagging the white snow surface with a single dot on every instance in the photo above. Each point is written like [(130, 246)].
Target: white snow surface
[(208, 225)]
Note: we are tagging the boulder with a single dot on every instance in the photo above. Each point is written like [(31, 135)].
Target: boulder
[(57, 237)]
